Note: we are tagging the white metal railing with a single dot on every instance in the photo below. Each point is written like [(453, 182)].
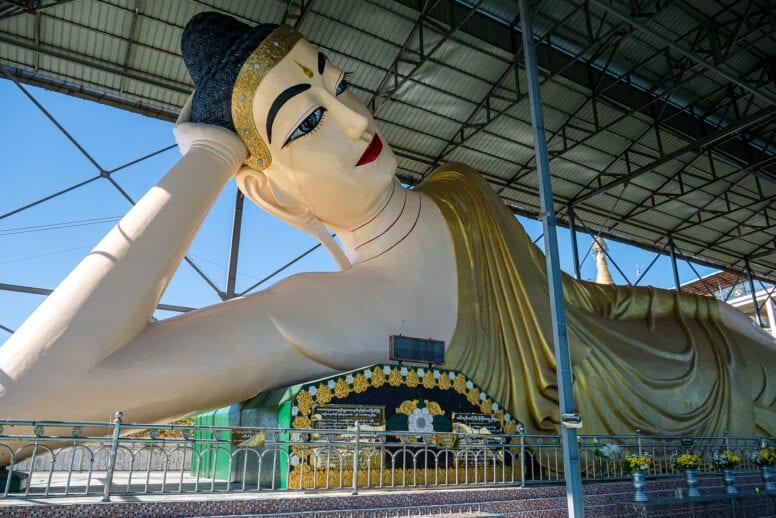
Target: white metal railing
[(49, 458)]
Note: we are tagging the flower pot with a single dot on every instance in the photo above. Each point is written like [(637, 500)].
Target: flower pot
[(692, 482), (638, 485), (729, 480), (767, 473)]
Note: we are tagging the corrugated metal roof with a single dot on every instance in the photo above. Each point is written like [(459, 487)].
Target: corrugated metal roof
[(624, 105)]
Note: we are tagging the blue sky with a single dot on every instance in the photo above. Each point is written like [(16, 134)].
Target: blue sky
[(40, 245)]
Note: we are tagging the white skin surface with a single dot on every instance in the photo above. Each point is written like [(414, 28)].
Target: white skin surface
[(90, 350)]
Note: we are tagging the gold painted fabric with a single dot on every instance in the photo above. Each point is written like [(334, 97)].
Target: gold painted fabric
[(642, 358)]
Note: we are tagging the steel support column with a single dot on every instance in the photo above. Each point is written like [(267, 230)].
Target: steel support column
[(754, 292), (574, 250), (677, 287), (234, 250), (571, 465)]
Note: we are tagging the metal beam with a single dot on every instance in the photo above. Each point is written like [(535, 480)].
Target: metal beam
[(234, 250), (613, 91), (762, 117), (417, 28), (52, 119), (674, 270), (759, 204), (673, 46), (296, 12), (754, 293), (84, 91), (130, 40), (571, 465), (45, 291), (574, 250), (87, 61), (727, 178), (424, 57)]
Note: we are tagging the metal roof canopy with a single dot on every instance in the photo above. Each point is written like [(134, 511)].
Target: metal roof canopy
[(660, 115)]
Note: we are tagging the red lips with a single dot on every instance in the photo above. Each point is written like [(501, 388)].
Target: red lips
[(372, 151)]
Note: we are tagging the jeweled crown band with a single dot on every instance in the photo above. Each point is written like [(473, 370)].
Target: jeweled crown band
[(268, 54)]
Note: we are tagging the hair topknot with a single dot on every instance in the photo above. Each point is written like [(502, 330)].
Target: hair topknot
[(214, 47)]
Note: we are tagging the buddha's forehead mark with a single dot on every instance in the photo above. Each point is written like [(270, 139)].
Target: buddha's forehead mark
[(278, 103), (306, 71)]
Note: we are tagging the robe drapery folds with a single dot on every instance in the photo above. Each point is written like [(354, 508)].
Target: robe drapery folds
[(642, 358)]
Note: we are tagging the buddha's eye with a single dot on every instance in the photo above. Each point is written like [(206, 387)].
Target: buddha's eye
[(307, 125), (343, 85)]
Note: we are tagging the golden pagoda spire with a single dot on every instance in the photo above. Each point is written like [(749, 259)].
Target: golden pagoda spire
[(602, 268)]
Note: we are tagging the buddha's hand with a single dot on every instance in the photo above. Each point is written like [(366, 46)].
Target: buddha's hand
[(215, 139)]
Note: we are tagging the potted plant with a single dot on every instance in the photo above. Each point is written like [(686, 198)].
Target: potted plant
[(689, 463), (766, 459), (636, 465), (608, 453), (726, 461)]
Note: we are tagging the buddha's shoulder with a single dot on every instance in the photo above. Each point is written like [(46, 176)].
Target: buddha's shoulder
[(456, 179), (456, 172)]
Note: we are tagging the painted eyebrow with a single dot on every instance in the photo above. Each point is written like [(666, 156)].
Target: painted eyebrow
[(280, 100), (321, 62)]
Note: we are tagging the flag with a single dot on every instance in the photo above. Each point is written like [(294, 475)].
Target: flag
[(638, 270)]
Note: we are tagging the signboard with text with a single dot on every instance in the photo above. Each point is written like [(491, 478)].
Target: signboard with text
[(344, 417), (478, 421)]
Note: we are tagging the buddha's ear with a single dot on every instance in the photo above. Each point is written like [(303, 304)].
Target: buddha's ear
[(257, 187)]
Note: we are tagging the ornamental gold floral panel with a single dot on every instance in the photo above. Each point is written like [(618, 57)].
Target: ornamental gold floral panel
[(430, 392), (414, 399)]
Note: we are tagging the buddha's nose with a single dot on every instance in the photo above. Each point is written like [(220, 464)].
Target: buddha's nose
[(353, 123), (356, 127)]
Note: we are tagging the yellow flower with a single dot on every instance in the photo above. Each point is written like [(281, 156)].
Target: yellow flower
[(636, 462), (412, 378), (460, 384), (395, 378), (428, 380), (687, 461), (378, 377), (304, 401), (323, 395), (301, 421), (341, 388), (766, 457), (360, 384), (473, 396), (444, 381), (486, 407)]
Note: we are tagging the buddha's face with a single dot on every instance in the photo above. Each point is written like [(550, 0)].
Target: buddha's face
[(325, 147)]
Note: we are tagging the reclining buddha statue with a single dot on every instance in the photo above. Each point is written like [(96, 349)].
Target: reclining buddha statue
[(445, 260)]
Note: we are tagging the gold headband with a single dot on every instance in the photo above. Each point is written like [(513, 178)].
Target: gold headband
[(268, 54)]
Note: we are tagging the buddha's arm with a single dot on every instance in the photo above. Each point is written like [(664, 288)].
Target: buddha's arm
[(207, 358), (108, 299), (304, 327)]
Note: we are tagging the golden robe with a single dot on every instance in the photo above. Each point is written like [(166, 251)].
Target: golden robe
[(642, 358)]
